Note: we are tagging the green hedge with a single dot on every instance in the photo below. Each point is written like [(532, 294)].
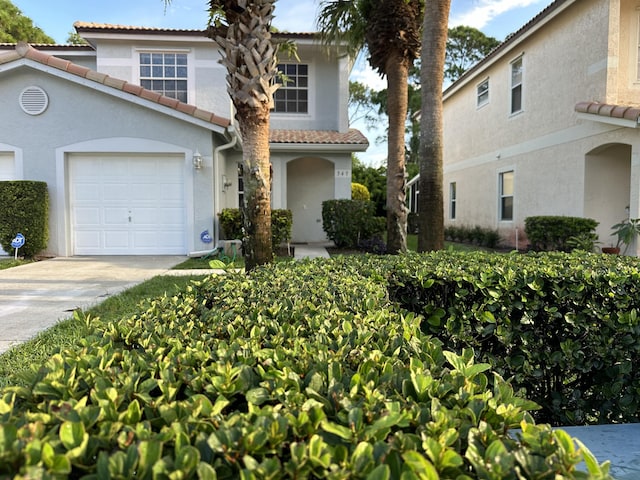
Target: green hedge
[(292, 371), (24, 208), (281, 223), (349, 222), (563, 328), (548, 233)]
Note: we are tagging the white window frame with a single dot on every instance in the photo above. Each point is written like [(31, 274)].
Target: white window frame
[(453, 199), (482, 97), (310, 93), (502, 195), (519, 85), (191, 96)]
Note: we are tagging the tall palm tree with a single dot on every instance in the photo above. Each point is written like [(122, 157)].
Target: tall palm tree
[(390, 31), (242, 29), (430, 200)]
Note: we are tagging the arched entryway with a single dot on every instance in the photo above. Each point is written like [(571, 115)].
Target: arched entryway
[(310, 181), (607, 185)]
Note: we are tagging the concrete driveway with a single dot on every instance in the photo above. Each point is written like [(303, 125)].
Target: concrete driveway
[(35, 296)]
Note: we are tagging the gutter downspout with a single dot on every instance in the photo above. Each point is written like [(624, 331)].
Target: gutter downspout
[(216, 179)]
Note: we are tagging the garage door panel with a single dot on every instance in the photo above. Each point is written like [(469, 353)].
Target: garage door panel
[(116, 216), (87, 239), (114, 193), (128, 205), (116, 239), (88, 216)]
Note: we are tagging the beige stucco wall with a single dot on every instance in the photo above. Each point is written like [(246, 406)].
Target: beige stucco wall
[(567, 59)]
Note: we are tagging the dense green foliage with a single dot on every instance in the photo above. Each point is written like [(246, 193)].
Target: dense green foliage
[(466, 46), (304, 370), (349, 222), (281, 223), (16, 27), (24, 208), (549, 233), (359, 192), (375, 179), (476, 235), (562, 327)]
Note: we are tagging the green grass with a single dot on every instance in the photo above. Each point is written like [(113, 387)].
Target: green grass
[(203, 263), (10, 262), (15, 363)]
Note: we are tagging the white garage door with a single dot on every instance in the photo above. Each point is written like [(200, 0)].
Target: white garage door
[(7, 172), (127, 205)]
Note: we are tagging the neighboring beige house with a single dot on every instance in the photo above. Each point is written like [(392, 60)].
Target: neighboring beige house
[(134, 136), (548, 123)]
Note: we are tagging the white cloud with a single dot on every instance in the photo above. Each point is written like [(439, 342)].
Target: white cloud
[(484, 11)]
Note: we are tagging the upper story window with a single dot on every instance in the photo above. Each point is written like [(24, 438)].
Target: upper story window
[(516, 85), (165, 73), (482, 93), (505, 186), (293, 94)]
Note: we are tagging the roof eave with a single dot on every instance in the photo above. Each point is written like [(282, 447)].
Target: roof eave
[(318, 147), (619, 122)]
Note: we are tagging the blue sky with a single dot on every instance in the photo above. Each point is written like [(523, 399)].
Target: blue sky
[(496, 18)]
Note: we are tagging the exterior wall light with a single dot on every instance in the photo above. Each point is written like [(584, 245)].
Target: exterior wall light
[(197, 160), (225, 183)]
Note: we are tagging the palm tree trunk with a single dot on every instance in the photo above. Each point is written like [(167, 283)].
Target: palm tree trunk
[(431, 198), (256, 211), (397, 69)]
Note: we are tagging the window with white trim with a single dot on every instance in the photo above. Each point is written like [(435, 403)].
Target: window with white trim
[(453, 196), (293, 94), (164, 73), (516, 85), (505, 187), (482, 93)]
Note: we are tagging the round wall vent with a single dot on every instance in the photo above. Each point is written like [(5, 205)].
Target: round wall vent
[(34, 100)]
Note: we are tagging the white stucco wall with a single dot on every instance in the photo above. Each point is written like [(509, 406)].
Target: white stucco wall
[(81, 119)]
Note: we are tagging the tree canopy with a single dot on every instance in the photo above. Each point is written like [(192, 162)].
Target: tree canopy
[(16, 27), (466, 46)]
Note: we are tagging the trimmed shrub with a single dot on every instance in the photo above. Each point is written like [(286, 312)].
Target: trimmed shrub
[(477, 235), (562, 327), (349, 222), (24, 208), (231, 223), (549, 233), (292, 371), (360, 192), (281, 223)]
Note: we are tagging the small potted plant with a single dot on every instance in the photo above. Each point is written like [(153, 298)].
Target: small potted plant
[(626, 231)]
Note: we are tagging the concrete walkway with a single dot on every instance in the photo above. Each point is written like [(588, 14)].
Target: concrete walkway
[(35, 296)]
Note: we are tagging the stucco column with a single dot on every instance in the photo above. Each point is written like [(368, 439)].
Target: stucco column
[(634, 196)]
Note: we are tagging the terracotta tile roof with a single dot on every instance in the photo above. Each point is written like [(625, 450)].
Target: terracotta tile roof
[(625, 112), (324, 137), (24, 50), (111, 28)]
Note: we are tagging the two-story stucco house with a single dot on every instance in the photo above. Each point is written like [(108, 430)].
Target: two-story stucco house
[(548, 123), (134, 135)]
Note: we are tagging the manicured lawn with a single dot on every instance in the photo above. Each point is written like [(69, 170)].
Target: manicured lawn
[(10, 262), (14, 364)]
